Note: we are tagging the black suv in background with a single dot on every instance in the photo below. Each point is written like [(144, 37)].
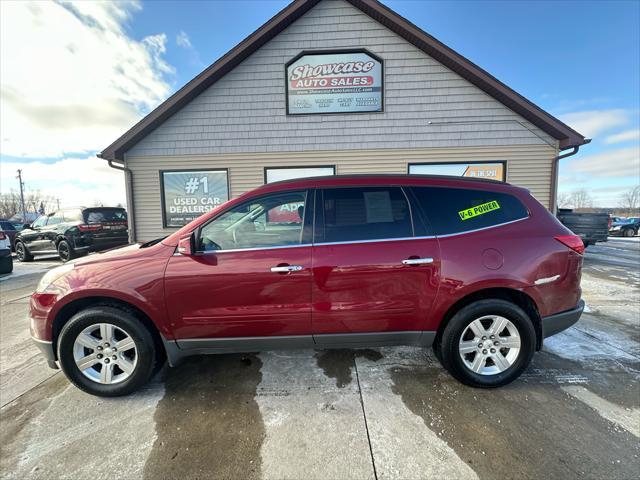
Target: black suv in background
[(73, 232), (626, 227)]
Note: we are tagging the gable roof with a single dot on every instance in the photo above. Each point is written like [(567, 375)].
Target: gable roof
[(566, 136)]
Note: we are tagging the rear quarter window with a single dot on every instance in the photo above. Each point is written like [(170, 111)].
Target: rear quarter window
[(457, 210)]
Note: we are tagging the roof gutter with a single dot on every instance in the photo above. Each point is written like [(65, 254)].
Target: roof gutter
[(128, 180), (554, 174)]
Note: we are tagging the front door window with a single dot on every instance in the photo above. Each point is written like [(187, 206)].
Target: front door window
[(270, 221)]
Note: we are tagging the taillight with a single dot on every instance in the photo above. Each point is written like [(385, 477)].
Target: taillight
[(574, 242), (2, 236), (609, 222), (90, 228)]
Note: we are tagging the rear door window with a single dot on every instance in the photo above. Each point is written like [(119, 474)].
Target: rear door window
[(363, 213), (457, 210), (100, 215)]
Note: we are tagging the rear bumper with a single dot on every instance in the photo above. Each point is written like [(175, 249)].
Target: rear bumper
[(561, 321), (46, 348), (5, 252)]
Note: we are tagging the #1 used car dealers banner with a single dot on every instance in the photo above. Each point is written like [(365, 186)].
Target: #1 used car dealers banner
[(334, 83), (189, 194)]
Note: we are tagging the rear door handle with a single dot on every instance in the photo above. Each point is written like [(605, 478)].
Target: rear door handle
[(417, 261), (286, 268)]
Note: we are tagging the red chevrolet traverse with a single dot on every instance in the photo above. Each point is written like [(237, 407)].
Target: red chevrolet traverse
[(477, 269)]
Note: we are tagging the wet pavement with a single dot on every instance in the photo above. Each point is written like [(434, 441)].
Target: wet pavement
[(374, 413)]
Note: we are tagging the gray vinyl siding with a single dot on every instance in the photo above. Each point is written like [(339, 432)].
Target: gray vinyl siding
[(527, 165), (245, 111)]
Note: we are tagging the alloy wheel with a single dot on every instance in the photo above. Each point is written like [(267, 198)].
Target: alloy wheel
[(63, 251), (105, 353), (489, 345), (20, 251)]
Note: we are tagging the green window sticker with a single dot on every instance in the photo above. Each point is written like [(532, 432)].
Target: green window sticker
[(479, 210)]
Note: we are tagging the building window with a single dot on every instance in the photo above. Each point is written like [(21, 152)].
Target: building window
[(187, 194), (275, 174), (489, 170)]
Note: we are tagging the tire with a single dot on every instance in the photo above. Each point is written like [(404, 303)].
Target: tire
[(6, 264), (141, 358), (65, 251), (511, 362), (628, 232), (22, 253)]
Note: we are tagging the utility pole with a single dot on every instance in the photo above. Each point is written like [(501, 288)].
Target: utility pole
[(24, 211)]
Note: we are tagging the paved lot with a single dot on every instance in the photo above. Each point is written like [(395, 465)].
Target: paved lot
[(379, 413)]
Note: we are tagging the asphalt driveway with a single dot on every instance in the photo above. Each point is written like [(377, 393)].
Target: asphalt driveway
[(377, 413)]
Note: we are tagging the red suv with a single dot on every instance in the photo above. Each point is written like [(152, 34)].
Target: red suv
[(477, 269)]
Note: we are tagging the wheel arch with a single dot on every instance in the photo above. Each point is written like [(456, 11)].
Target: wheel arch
[(517, 297), (79, 304)]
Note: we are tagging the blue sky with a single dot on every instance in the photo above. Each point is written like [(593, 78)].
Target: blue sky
[(577, 60)]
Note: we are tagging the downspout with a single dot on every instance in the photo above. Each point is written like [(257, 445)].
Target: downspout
[(128, 180), (554, 175)]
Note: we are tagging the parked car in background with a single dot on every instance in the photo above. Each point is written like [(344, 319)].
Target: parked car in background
[(627, 227), (73, 232), (477, 269), (18, 225), (9, 230), (6, 261), (590, 227), (617, 219)]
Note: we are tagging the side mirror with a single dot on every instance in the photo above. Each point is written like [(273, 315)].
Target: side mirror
[(186, 245)]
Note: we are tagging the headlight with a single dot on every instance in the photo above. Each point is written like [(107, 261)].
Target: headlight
[(616, 227), (52, 275)]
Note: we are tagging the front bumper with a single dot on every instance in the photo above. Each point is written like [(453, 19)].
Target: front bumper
[(46, 348), (561, 321)]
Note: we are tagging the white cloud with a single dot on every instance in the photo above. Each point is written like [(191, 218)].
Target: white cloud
[(72, 80), (590, 123), (623, 162), (626, 136), (74, 181), (182, 39)]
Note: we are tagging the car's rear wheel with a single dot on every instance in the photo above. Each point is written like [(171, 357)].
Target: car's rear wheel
[(65, 251), (488, 343), (106, 351), (6, 264), (22, 253)]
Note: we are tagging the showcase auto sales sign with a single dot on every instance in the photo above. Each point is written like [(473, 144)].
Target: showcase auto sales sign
[(332, 83)]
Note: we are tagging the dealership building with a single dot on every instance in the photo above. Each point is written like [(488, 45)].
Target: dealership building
[(332, 87)]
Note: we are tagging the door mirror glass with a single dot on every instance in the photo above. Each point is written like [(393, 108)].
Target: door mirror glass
[(185, 245)]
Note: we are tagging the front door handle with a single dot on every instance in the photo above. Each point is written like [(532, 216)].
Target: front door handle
[(286, 268), (417, 261)]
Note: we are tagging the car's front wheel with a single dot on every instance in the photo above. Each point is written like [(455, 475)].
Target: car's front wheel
[(106, 351), (488, 343), (22, 254), (629, 232)]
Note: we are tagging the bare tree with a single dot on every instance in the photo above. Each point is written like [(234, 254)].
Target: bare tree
[(33, 200), (9, 204), (631, 199), (581, 199), (564, 200)]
